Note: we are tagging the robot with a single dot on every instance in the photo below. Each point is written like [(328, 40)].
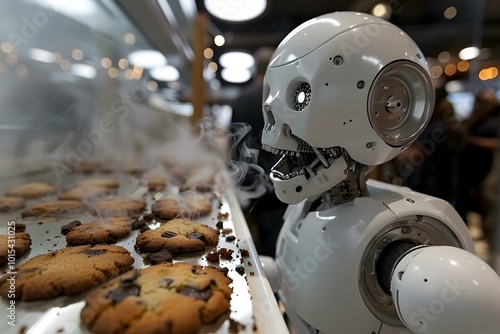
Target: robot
[(344, 92)]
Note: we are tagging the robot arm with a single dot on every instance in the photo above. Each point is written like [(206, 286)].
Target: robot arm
[(442, 289)]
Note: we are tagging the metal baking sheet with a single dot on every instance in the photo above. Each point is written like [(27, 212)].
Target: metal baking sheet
[(253, 305)]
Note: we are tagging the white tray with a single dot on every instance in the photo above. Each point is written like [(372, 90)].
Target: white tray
[(253, 304)]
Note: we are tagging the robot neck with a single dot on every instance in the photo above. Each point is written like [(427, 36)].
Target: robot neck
[(354, 185)]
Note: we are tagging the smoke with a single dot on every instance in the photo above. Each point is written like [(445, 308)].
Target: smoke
[(250, 179)]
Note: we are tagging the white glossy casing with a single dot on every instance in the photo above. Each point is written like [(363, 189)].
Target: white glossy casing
[(444, 289), (319, 252), (337, 112)]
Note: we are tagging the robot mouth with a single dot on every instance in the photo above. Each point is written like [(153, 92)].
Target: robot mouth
[(294, 163)]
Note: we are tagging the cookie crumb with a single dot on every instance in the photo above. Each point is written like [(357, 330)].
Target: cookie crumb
[(226, 231), (222, 215), (65, 229), (240, 270), (235, 326), (244, 252)]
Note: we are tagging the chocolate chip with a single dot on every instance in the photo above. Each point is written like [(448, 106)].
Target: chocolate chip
[(192, 292), (122, 292), (131, 279), (165, 283), (220, 224), (65, 229), (168, 234), (195, 235), (94, 252), (160, 257), (230, 238)]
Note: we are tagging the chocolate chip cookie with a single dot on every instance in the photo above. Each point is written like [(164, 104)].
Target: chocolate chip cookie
[(67, 271), (165, 298), (8, 204), (83, 193), (31, 190), (19, 243), (177, 236), (107, 230), (118, 205), (189, 206), (54, 209)]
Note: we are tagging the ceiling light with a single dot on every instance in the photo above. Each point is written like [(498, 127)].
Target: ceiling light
[(444, 57), (129, 38), (236, 11), (450, 69), (382, 10), (64, 64), (212, 67), (468, 53), (147, 58), (123, 63), (165, 73), (436, 71), (237, 59), (77, 54), (219, 40), (106, 62), (113, 72), (41, 55), (236, 75), (152, 86), (450, 13), (463, 65), (83, 70), (208, 53)]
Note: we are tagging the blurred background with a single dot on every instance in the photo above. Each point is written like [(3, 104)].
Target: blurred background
[(85, 78)]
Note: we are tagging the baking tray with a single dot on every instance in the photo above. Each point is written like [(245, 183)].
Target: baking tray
[(253, 306)]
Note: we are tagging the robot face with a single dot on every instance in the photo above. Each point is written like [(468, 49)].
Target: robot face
[(343, 85)]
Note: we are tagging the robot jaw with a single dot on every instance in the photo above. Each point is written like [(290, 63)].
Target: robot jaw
[(307, 171)]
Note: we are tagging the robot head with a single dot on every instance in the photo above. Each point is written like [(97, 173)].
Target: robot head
[(341, 86)]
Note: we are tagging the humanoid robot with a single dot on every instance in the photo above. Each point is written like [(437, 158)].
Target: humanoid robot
[(342, 92)]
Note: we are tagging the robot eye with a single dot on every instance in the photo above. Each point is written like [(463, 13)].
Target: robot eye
[(302, 96)]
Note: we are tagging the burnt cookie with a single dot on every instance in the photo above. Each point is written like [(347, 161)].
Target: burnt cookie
[(20, 242), (177, 236), (118, 205), (191, 206), (54, 209), (67, 271), (165, 298), (8, 204), (107, 230), (83, 193), (31, 190)]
